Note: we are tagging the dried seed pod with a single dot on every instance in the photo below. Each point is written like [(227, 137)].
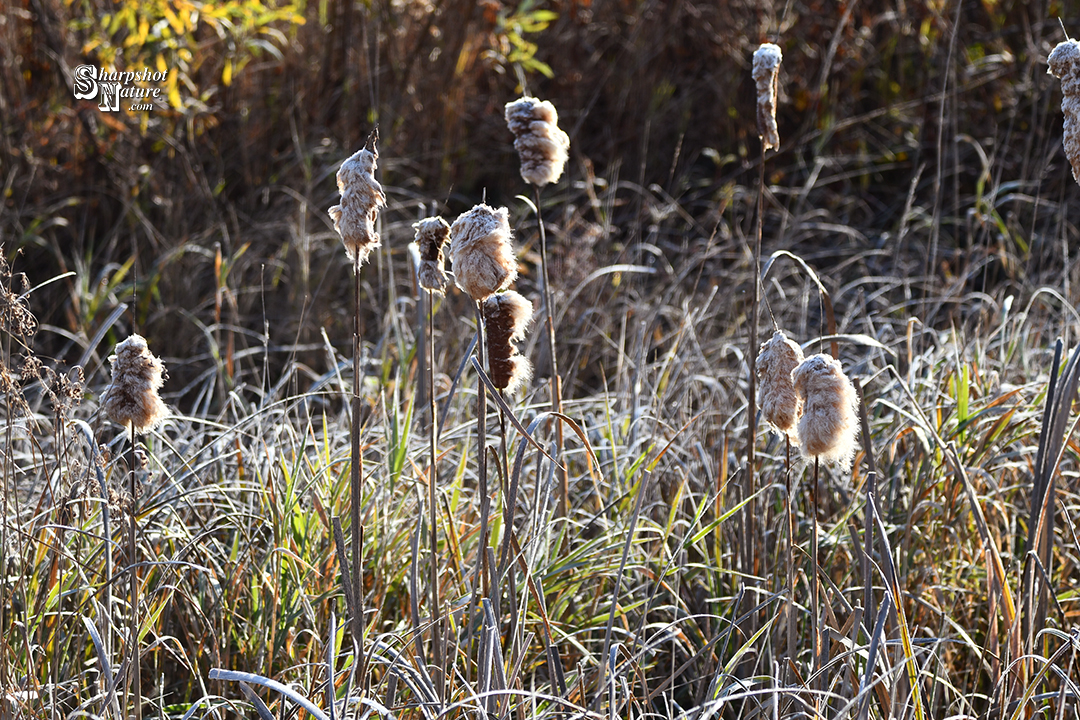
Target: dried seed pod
[(431, 235), (132, 397), (481, 252), (828, 424), (1064, 63), (506, 316), (780, 404), (361, 198), (541, 145), (766, 69)]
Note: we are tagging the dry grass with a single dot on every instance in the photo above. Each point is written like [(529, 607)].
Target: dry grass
[(948, 557)]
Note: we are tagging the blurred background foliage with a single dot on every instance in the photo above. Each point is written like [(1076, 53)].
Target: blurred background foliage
[(920, 127)]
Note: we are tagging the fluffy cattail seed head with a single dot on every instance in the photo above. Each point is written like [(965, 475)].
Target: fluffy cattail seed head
[(361, 198), (431, 235), (1064, 63), (481, 253), (506, 316), (766, 69), (780, 404), (828, 424), (541, 145), (132, 397)]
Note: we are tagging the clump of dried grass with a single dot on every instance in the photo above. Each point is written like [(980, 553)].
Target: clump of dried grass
[(361, 198), (481, 253), (432, 234), (506, 315), (780, 404), (541, 145), (132, 398), (766, 69), (1064, 63), (829, 421)]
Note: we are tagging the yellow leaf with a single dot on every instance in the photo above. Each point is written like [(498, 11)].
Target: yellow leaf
[(226, 73), (171, 17)]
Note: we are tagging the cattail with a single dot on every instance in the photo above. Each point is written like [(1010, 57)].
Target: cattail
[(481, 252), (779, 403), (828, 424), (1064, 63), (766, 69), (541, 145), (132, 398), (505, 317), (431, 235), (361, 198)]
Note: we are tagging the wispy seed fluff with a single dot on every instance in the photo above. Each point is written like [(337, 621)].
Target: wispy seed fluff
[(431, 235), (361, 198), (1064, 63), (481, 253), (132, 397), (766, 69), (541, 145), (506, 316), (828, 424), (780, 404)]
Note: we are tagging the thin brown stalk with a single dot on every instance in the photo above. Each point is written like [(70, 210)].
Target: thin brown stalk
[(354, 485), (791, 619), (556, 382), (433, 480), (134, 656), (480, 577), (750, 546), (815, 587)]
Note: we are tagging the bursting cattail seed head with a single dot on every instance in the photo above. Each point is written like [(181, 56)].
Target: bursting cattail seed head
[(361, 198), (766, 69), (481, 252), (132, 398), (506, 316), (780, 404), (828, 424), (541, 145), (431, 235), (1064, 63)]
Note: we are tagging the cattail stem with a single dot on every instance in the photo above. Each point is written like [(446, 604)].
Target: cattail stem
[(751, 425), (791, 619), (815, 587), (134, 656), (480, 577), (556, 383), (356, 474), (433, 480)]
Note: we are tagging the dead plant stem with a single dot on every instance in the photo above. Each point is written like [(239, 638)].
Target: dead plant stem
[(356, 475), (556, 381)]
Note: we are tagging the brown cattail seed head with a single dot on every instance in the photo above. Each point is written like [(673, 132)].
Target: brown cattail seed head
[(132, 397), (1064, 63), (780, 404), (481, 253), (505, 317), (541, 145), (361, 198), (828, 424), (766, 69), (431, 235)]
